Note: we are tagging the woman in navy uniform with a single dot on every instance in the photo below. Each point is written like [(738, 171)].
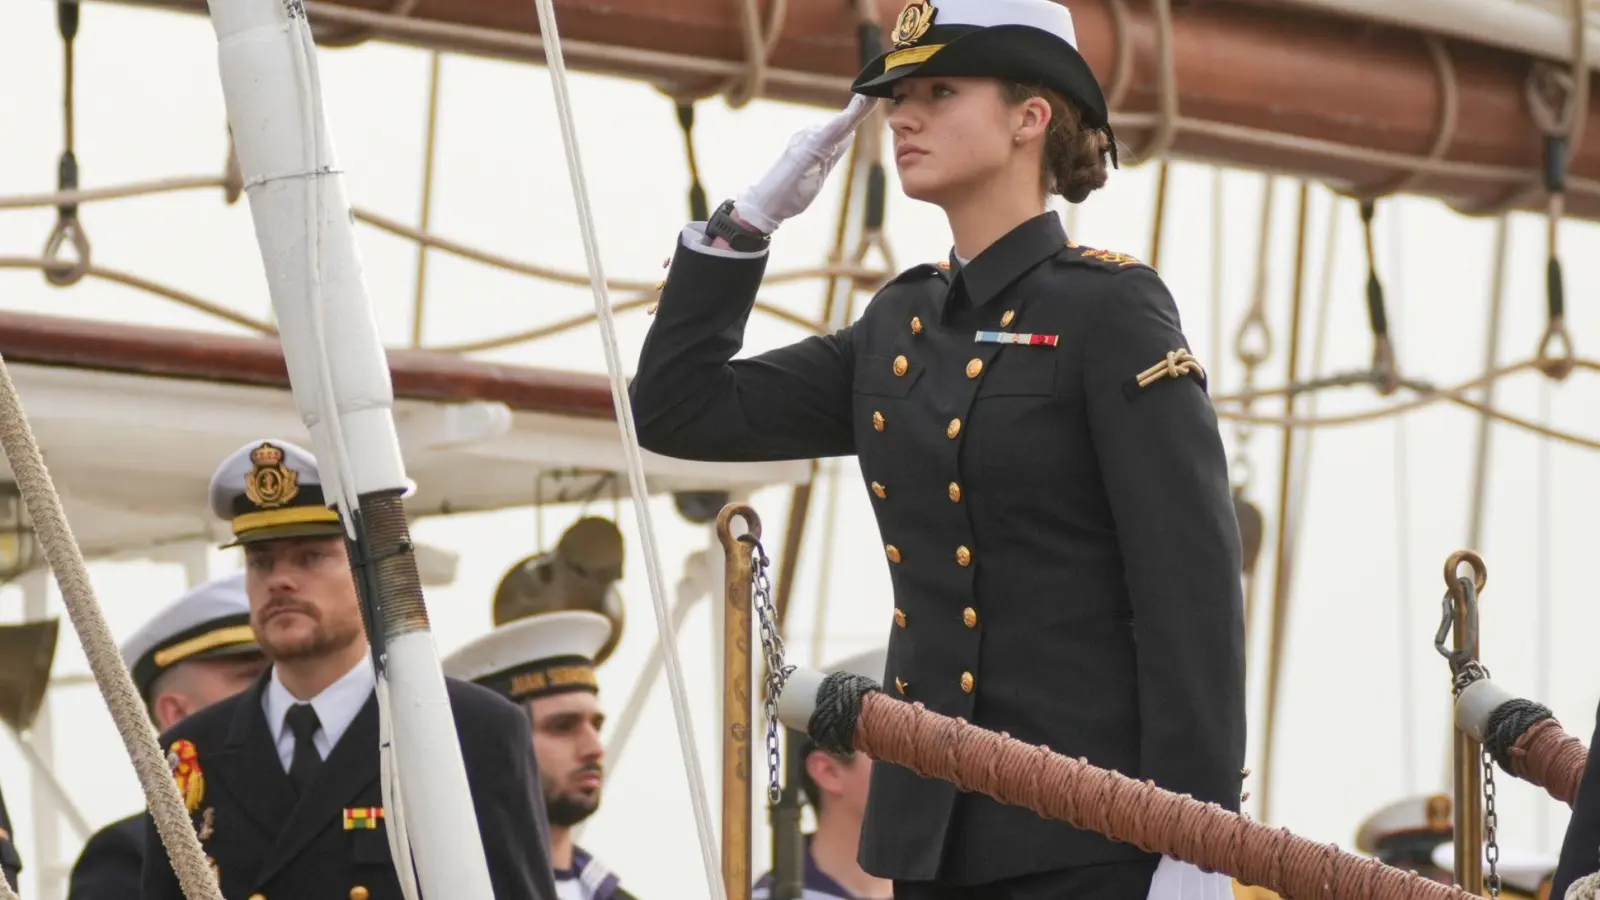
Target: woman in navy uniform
[(1043, 460)]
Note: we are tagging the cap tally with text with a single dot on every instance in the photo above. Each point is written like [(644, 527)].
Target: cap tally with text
[(544, 654), (211, 621), (1031, 42), (271, 489)]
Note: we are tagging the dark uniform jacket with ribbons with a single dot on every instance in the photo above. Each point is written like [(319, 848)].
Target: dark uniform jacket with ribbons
[(268, 845), (1061, 538), (1580, 849), (110, 866), (10, 860)]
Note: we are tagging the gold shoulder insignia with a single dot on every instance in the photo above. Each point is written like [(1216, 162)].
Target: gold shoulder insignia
[(1177, 364), (184, 761), (943, 264), (270, 483), (1111, 258)]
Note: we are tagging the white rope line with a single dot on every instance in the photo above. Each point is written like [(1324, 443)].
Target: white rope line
[(630, 443)]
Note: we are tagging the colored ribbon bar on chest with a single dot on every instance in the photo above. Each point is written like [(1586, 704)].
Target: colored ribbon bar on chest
[(1006, 337), (362, 817)]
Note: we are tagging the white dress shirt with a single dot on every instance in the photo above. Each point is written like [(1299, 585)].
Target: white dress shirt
[(336, 708)]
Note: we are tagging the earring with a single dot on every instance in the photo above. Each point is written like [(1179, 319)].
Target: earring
[(1016, 139)]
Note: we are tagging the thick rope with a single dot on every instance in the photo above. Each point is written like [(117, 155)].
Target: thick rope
[(1585, 888), (633, 453), (105, 660), (1546, 756), (1095, 799)]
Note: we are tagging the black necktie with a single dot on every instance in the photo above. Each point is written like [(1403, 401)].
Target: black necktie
[(304, 723)]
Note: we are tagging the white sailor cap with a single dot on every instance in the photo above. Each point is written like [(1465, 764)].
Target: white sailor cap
[(1425, 816), (271, 489), (537, 656), (1524, 873), (209, 622)]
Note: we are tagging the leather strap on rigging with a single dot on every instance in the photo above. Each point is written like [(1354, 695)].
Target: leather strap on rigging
[(68, 229), (1553, 97), (699, 208), (1385, 371)]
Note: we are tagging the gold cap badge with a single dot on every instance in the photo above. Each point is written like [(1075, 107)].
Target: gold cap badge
[(271, 483), (914, 22)]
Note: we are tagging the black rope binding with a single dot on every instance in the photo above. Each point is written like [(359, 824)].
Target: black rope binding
[(699, 208), (833, 724), (1385, 372), (1507, 724)]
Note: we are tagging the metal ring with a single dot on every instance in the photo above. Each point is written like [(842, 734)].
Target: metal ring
[(1480, 572)]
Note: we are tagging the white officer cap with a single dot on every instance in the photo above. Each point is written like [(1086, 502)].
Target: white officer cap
[(271, 489), (543, 654), (1522, 872), (1423, 814), (209, 622)]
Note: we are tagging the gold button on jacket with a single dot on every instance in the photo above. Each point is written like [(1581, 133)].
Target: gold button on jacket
[(1088, 495)]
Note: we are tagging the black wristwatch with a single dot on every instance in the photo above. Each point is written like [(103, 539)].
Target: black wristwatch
[(740, 237)]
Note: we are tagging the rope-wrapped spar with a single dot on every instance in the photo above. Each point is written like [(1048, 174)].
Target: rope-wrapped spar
[(844, 712), (1523, 737)]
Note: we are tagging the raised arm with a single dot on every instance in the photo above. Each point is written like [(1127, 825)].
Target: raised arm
[(691, 399), (1166, 477)]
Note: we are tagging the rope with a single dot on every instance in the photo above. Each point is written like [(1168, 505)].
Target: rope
[(1094, 799), (430, 141), (1287, 543), (630, 442), (1585, 888), (105, 660), (126, 279), (68, 230)]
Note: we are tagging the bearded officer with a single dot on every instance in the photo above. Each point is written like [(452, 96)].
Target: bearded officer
[(836, 788), (546, 663), (282, 780), (198, 650)]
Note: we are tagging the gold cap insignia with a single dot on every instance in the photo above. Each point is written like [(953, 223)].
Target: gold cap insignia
[(914, 22), (271, 483)]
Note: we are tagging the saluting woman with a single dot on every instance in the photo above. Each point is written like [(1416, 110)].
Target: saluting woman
[(1043, 460)]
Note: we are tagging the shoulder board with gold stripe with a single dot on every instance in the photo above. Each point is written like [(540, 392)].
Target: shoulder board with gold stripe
[(1103, 259)]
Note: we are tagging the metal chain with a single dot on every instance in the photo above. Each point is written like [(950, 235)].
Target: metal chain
[(1490, 821), (772, 652)]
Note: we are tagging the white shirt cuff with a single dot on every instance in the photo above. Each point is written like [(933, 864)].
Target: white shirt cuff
[(694, 235), (1176, 880)]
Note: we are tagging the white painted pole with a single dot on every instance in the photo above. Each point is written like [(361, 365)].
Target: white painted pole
[(340, 378)]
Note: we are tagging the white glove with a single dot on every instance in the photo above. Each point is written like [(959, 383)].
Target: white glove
[(790, 186), (1176, 880)]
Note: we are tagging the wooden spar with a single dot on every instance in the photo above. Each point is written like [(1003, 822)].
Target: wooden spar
[(26, 338), (1244, 70)]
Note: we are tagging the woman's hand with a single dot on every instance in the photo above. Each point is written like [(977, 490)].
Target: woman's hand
[(794, 182)]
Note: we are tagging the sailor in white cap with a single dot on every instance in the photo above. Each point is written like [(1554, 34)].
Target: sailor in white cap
[(1416, 834), (1405, 832), (196, 651), (546, 663), (1523, 876), (836, 788), (283, 780)]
